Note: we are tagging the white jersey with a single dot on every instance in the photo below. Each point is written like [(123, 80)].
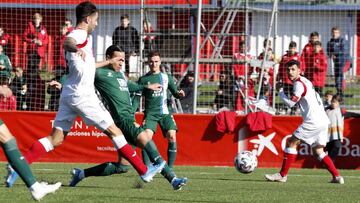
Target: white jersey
[(311, 106), (80, 80)]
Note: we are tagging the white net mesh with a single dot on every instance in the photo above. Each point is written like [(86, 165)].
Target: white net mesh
[(169, 26)]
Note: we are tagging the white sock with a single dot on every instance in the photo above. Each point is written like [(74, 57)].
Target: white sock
[(119, 141), (321, 156), (47, 144), (34, 187)]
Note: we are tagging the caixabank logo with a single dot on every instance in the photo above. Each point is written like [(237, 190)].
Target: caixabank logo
[(272, 143)]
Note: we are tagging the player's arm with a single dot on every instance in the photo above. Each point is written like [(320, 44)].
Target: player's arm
[(299, 91), (173, 89), (70, 46)]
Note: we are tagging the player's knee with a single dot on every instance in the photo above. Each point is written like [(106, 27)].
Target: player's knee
[(171, 136)]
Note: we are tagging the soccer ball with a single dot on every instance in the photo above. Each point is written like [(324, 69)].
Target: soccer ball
[(245, 162)]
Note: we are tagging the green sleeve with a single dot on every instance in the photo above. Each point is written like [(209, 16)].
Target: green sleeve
[(172, 87), (135, 87), (8, 66)]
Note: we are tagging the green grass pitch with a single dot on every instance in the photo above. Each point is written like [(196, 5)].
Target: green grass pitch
[(206, 184)]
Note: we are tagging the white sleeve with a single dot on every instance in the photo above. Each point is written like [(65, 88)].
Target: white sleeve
[(80, 36), (298, 91)]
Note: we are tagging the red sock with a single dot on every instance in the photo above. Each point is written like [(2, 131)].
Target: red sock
[(129, 154), (330, 166), (36, 151), (288, 160)]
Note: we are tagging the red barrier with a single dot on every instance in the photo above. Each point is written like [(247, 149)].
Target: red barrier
[(198, 141)]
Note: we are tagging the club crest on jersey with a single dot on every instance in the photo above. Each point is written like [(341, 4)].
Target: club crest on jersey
[(109, 74)]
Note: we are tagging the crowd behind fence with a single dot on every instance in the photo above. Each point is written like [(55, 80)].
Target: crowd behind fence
[(233, 38)]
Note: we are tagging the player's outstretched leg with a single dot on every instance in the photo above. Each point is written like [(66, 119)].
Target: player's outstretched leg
[(16, 160), (125, 150), (171, 152), (167, 172), (37, 150), (289, 157), (325, 159), (104, 169)]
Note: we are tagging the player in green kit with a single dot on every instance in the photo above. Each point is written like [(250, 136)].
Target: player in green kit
[(156, 107), (114, 89)]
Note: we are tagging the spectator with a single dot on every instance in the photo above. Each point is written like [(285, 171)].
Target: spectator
[(36, 92), (5, 40), (239, 69), (187, 85), (69, 25), (224, 93), (149, 40), (287, 85), (336, 127), (7, 99), (54, 88), (327, 99), (316, 72), (308, 51), (127, 38), (19, 87), (239, 88), (5, 64), (338, 51), (37, 38), (267, 83), (59, 47)]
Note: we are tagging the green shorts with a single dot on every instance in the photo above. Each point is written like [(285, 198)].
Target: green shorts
[(166, 122), (1, 122), (129, 129)]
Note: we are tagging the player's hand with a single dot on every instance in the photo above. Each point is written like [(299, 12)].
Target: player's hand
[(81, 53), (154, 87), (116, 60), (5, 91), (279, 86), (181, 93)]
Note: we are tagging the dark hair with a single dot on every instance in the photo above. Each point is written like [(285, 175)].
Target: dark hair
[(111, 49), (329, 92), (153, 53), (292, 44), (336, 98), (190, 74), (265, 42), (335, 28), (293, 62), (314, 34), (125, 16), (68, 19), (242, 43), (317, 43), (84, 9)]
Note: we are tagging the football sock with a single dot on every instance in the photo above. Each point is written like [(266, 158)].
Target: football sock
[(325, 159), (106, 169), (125, 150), (171, 153), (17, 162), (145, 157), (38, 149), (155, 157), (289, 157)]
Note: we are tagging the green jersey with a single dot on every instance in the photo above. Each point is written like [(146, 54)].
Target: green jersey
[(5, 61), (156, 101), (114, 89)]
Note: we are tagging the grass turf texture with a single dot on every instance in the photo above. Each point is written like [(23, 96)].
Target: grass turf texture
[(206, 184)]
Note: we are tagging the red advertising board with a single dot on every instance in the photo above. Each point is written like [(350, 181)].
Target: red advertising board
[(198, 141)]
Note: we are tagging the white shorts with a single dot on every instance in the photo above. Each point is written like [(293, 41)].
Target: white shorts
[(89, 108), (312, 135)]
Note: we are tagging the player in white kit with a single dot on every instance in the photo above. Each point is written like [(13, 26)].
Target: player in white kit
[(78, 97), (312, 131)]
